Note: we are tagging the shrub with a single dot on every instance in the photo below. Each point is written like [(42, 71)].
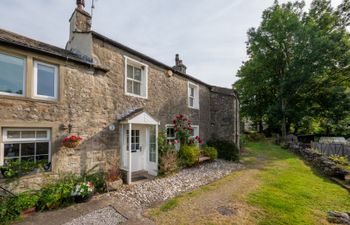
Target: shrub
[(12, 206), (99, 181), (8, 210), (254, 136), (340, 160), (189, 155), (57, 194), (18, 168), (226, 149), (168, 163), (211, 152), (26, 201)]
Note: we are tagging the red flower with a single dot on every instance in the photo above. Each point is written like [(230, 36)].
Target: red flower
[(73, 138), (66, 139)]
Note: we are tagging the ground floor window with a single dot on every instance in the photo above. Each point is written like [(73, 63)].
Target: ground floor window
[(26, 145), (170, 133)]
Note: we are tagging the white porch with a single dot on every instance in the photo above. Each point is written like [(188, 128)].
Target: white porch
[(139, 145)]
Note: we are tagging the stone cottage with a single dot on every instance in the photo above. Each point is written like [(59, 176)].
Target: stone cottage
[(116, 98)]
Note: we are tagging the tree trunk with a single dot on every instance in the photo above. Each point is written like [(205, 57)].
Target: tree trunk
[(284, 126), (260, 126)]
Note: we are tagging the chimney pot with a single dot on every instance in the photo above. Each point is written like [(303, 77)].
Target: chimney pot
[(81, 4)]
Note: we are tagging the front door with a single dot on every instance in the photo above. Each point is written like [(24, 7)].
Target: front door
[(138, 147)]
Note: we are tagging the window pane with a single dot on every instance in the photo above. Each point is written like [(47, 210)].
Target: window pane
[(170, 132), (11, 74), (27, 149), (11, 150), (46, 81), (42, 157), (137, 88), (130, 72), (13, 134), (41, 134), (192, 92), (42, 148), (137, 74), (29, 158), (129, 86), (191, 102), (28, 134)]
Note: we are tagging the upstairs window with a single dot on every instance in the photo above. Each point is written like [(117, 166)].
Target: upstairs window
[(135, 78), (193, 96), (12, 75), (45, 80)]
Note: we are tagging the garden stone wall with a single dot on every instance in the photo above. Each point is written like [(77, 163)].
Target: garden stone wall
[(322, 163), (29, 183)]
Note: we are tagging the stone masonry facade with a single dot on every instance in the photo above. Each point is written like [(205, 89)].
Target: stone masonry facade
[(91, 97)]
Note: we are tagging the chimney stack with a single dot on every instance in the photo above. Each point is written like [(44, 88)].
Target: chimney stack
[(179, 66), (81, 4)]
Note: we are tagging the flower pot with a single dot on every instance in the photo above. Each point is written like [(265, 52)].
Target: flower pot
[(71, 144), (82, 199), (27, 212)]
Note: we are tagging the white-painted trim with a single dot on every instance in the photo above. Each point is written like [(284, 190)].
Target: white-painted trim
[(196, 95), (195, 126), (166, 131), (144, 77), (24, 76), (5, 140), (35, 83)]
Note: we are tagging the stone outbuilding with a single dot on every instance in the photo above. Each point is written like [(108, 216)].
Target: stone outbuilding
[(116, 98)]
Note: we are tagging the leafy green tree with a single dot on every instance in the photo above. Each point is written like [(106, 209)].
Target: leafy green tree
[(295, 57)]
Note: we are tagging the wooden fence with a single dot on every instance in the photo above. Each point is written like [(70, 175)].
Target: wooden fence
[(332, 149)]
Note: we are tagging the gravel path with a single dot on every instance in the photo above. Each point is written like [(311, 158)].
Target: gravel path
[(105, 216), (143, 195)]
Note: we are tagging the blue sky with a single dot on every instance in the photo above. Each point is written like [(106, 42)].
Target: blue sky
[(209, 35)]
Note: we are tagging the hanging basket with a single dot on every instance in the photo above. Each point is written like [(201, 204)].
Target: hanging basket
[(71, 144)]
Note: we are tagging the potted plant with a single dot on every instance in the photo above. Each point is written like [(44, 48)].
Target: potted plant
[(83, 192), (25, 203), (71, 141)]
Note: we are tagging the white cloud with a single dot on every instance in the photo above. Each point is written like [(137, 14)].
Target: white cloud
[(209, 35)]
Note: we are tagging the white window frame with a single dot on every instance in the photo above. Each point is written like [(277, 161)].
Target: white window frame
[(6, 140), (166, 132), (196, 127), (144, 77), (35, 81), (24, 76), (195, 97)]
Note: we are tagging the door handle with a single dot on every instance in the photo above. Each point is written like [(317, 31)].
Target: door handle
[(140, 148)]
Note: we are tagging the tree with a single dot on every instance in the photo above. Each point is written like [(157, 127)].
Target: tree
[(293, 54)]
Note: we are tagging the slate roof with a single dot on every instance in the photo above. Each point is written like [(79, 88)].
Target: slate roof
[(15, 40)]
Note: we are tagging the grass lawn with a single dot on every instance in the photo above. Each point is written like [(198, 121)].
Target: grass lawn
[(277, 187)]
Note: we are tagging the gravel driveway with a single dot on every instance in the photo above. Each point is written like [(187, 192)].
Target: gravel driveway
[(142, 195)]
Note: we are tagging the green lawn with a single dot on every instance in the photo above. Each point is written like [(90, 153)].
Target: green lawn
[(292, 192), (276, 188)]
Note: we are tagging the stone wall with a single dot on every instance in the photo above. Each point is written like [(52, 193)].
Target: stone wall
[(91, 100), (167, 95), (225, 116), (320, 162), (30, 182)]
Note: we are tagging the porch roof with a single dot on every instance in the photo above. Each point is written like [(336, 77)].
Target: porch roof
[(139, 116)]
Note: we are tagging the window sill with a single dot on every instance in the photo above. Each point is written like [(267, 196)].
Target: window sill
[(197, 108), (136, 96), (23, 98)]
